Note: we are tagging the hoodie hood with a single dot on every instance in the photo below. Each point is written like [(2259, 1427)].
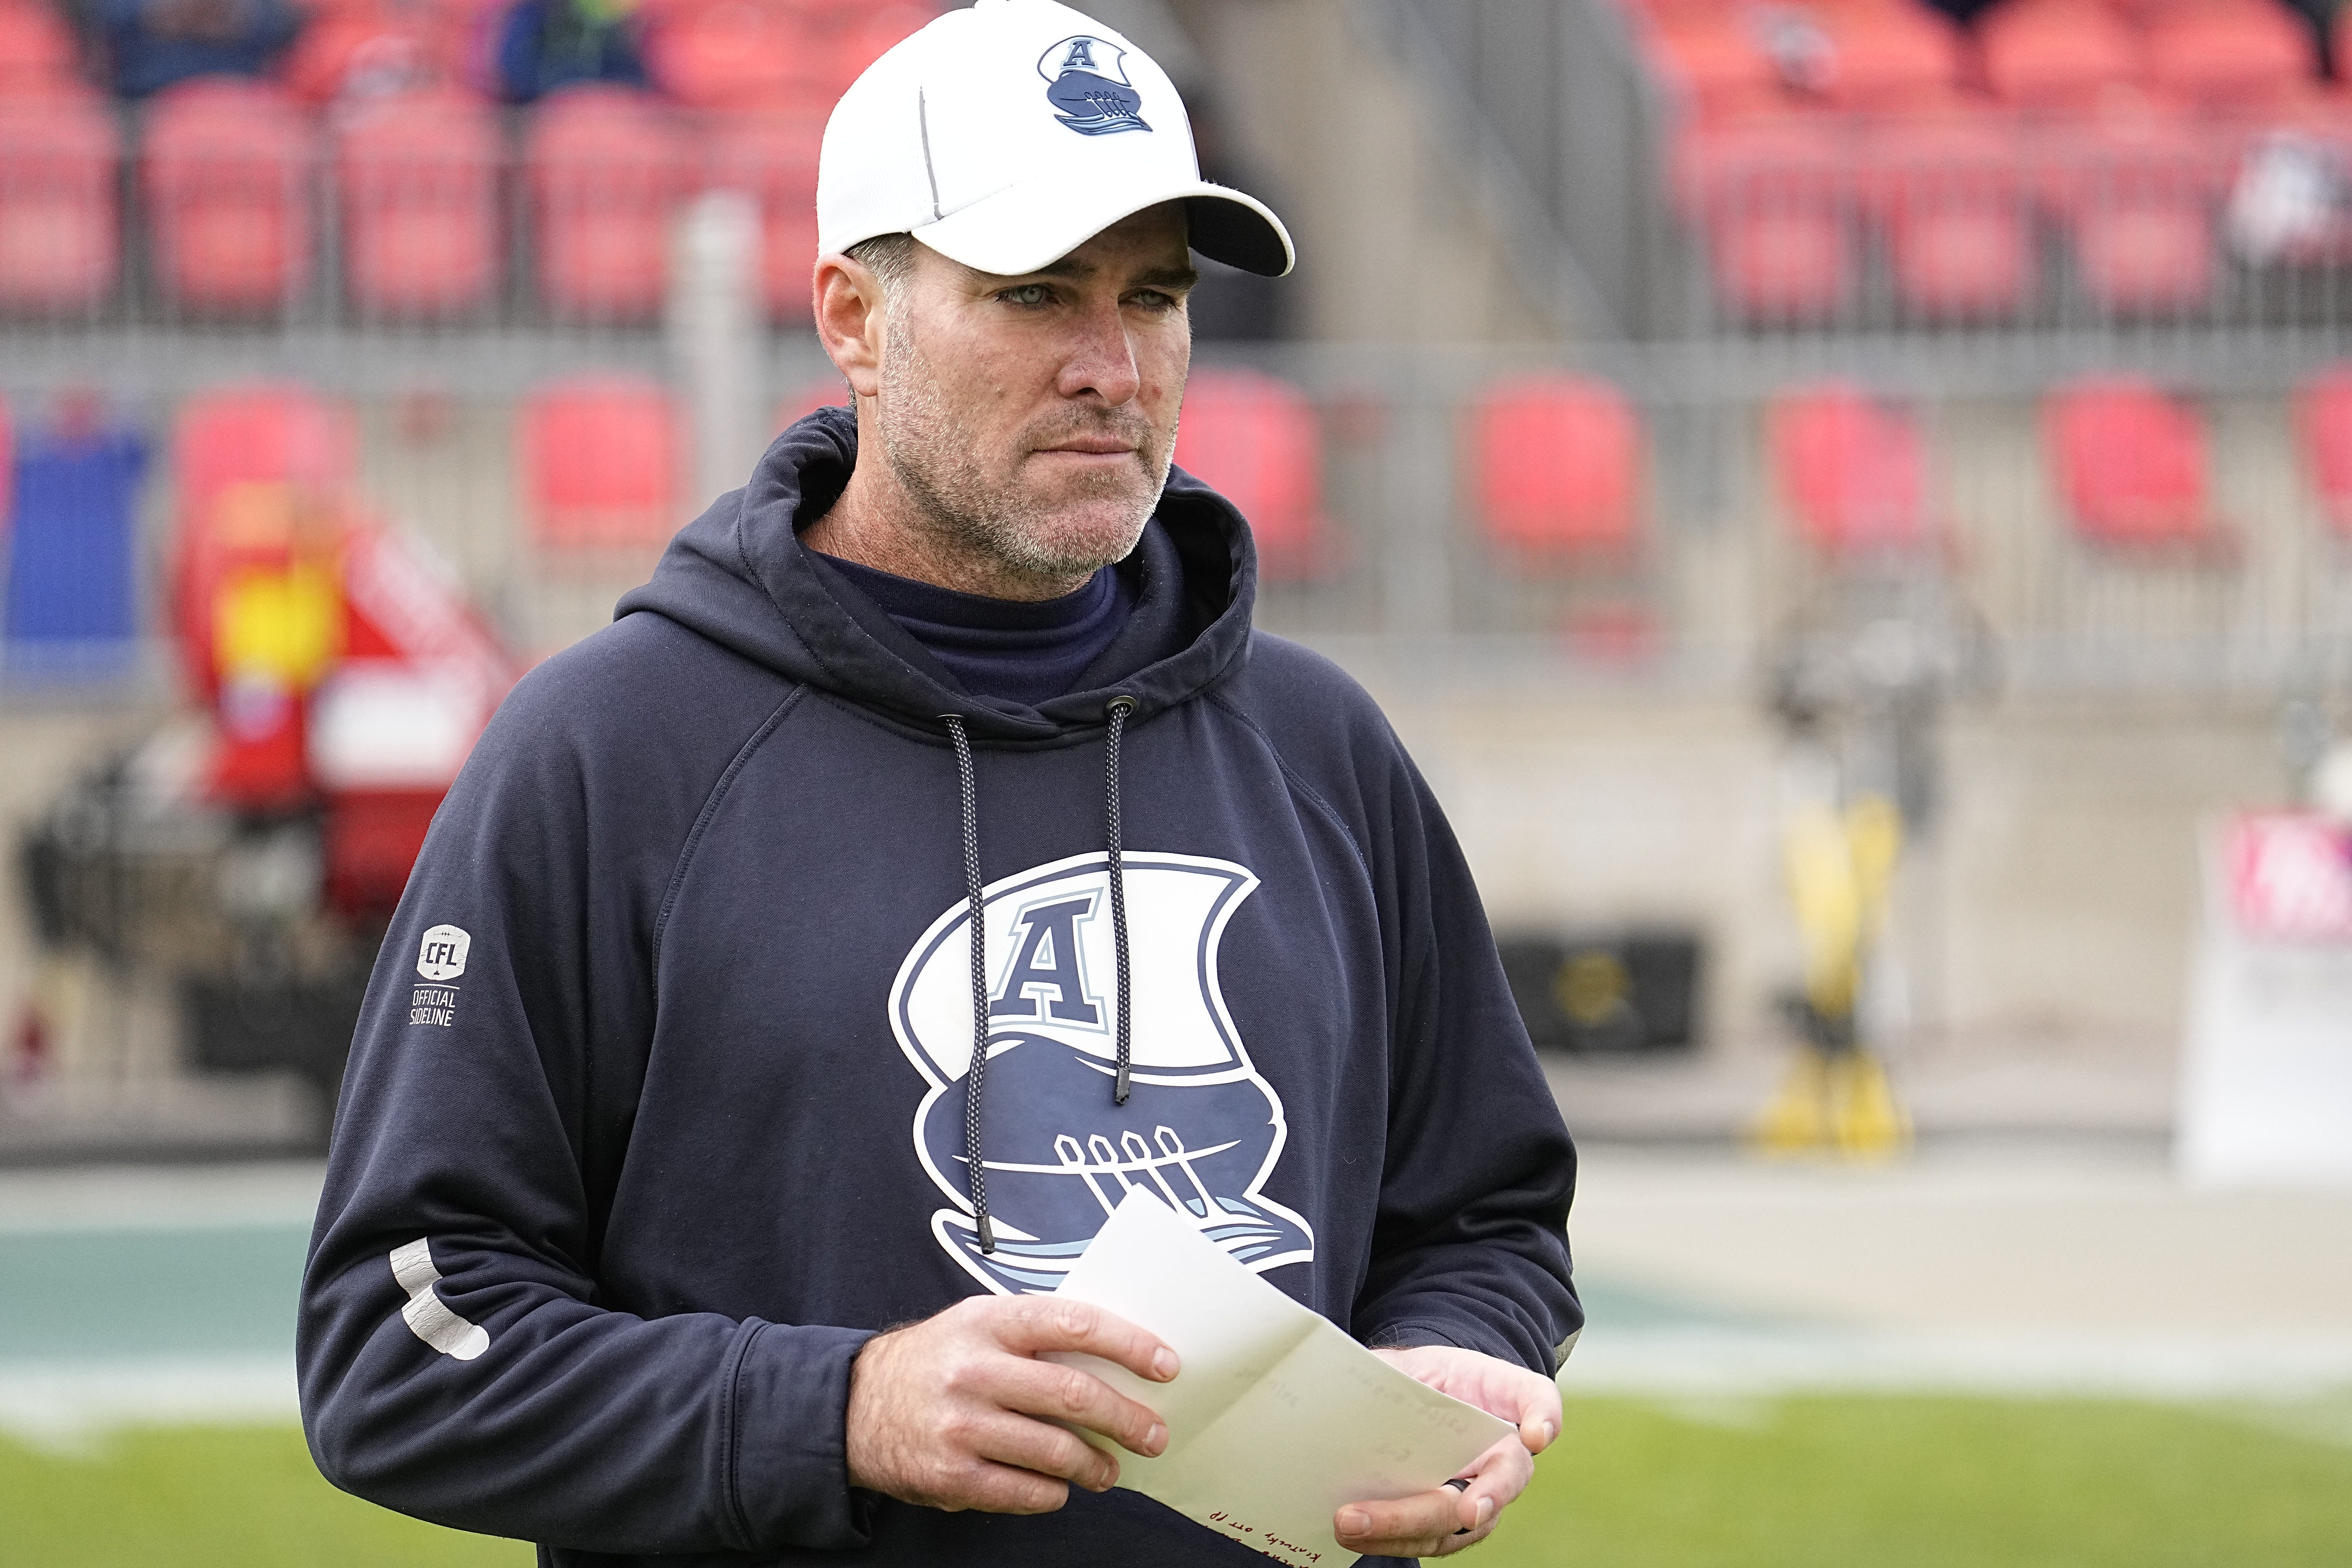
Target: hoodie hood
[(739, 576)]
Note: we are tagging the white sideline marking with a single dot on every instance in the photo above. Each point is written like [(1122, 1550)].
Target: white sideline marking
[(427, 1316), (86, 1199), (1723, 1362), (67, 1408)]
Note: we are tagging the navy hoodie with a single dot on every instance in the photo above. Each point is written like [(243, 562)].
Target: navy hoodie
[(658, 1108)]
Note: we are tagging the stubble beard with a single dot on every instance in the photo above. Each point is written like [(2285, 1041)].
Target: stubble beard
[(942, 466)]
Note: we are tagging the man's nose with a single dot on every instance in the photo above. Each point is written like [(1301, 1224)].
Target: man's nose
[(1100, 357)]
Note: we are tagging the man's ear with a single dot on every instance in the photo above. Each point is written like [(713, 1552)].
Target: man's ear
[(847, 299)]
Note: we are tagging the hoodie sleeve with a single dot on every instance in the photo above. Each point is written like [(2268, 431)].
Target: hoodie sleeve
[(455, 1361), (1470, 1247)]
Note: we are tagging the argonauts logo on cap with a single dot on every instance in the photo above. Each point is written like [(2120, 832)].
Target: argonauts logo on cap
[(1087, 82)]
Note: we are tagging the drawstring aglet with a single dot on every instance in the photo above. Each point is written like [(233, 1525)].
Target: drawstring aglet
[(987, 1233), (1119, 1089)]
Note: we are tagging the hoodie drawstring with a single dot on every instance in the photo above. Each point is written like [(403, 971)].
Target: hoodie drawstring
[(969, 786), (1121, 707), (977, 1174)]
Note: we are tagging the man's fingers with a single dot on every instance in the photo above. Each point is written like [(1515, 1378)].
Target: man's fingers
[(1414, 1526), (1005, 1489), (1434, 1523), (1045, 1450), (1072, 1394), (1045, 1323), (1539, 1415), (1501, 1474)]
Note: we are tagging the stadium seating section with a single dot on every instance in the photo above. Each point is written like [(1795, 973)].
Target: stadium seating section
[(1845, 164), (373, 158), (1868, 162)]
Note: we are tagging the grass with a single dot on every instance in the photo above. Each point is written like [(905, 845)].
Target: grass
[(1932, 1482), (1841, 1481), (211, 1498)]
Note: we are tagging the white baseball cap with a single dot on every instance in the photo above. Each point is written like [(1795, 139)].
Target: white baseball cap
[(1007, 135)]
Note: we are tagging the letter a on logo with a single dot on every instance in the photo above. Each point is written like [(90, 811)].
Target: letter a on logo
[(1045, 966)]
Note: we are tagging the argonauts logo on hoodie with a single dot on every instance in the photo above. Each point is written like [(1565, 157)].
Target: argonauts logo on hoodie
[(1200, 1128)]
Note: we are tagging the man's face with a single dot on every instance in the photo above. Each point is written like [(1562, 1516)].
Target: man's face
[(1033, 417)]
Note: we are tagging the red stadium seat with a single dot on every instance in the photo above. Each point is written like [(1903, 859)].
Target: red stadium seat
[(261, 432), (1558, 469), (738, 53), (1770, 195), (419, 184), (228, 197), (2135, 191), (2228, 53), (772, 157), (1948, 192), (1255, 441), (2323, 422), (1852, 468), (37, 48), (603, 464), (606, 171), (2130, 465), (60, 233), (2055, 54), (2146, 256)]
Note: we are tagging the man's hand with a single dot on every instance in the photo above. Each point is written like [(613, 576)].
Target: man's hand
[(1441, 1522), (956, 1411)]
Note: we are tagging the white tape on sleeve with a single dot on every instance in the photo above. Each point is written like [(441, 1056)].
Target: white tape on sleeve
[(428, 1317)]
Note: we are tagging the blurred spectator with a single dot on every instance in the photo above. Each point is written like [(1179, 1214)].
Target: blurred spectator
[(155, 43), (544, 44)]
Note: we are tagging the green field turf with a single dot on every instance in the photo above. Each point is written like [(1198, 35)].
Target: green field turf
[(1813, 1482)]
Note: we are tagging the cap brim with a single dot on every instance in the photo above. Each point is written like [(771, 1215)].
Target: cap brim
[(1034, 223)]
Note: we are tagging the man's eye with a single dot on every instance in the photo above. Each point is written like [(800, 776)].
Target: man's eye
[(1154, 299), (1027, 294)]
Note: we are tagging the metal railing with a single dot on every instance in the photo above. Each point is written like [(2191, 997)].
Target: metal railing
[(1417, 580)]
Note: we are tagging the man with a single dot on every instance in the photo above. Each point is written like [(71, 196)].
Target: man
[(672, 1213)]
